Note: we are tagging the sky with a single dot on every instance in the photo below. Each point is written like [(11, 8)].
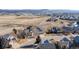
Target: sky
[(40, 4)]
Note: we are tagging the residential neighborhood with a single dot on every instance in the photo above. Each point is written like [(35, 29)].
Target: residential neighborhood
[(39, 29)]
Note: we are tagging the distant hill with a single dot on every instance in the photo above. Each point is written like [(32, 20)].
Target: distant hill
[(35, 12)]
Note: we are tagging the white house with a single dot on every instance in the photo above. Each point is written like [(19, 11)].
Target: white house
[(75, 24)]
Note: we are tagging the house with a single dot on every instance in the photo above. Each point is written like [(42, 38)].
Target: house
[(32, 31), (38, 30), (75, 24), (76, 41), (4, 41), (53, 30), (46, 45), (67, 30), (52, 19), (65, 42)]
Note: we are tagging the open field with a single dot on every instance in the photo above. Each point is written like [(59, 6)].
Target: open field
[(7, 23)]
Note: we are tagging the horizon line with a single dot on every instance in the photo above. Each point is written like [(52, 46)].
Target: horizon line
[(42, 9)]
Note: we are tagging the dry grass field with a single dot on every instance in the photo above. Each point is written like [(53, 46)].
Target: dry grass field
[(7, 23)]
